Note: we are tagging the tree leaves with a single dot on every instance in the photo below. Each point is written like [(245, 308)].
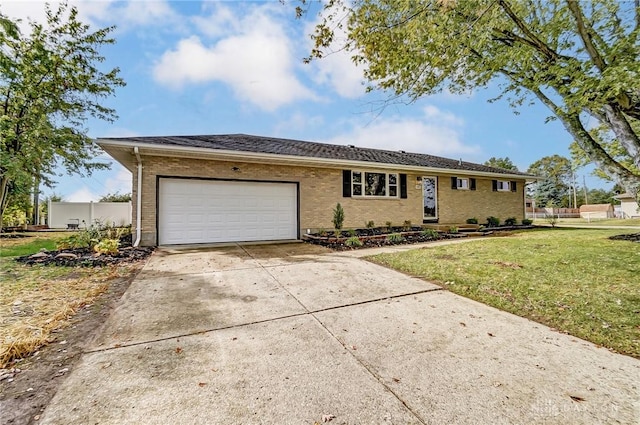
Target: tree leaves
[(580, 59), (50, 84)]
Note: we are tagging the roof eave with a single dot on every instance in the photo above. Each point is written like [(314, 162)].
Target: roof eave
[(151, 149)]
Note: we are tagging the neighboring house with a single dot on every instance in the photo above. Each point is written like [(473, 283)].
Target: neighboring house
[(628, 206), (223, 188), (590, 211)]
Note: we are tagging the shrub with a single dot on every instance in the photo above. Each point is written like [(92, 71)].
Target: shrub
[(552, 219), (511, 221), (406, 225), (351, 232), (453, 229), (107, 246), (527, 222), (80, 239), (353, 242), (337, 233), (370, 224), (338, 217), (323, 233), (92, 235), (388, 224), (430, 233), (493, 221), (472, 220), (395, 238)]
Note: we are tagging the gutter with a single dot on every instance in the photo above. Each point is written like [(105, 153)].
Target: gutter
[(138, 197)]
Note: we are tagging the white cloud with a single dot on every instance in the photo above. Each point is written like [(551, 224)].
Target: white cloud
[(119, 180), (336, 68), (255, 59), (84, 194), (431, 135), (124, 14), (298, 122)]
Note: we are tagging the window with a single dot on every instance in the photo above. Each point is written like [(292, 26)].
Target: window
[(371, 184), (374, 184), (458, 183), (504, 186)]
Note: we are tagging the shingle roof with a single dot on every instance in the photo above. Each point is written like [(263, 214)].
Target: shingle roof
[(271, 145)]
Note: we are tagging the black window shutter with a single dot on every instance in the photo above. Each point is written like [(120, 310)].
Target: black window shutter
[(403, 186), (346, 183), (472, 184), (513, 186), (454, 183), (495, 185)]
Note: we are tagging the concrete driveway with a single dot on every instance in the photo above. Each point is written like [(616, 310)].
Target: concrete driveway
[(294, 334)]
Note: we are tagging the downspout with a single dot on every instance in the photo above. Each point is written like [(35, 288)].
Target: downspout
[(138, 197)]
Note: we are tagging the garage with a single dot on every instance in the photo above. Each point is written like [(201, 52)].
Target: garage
[(208, 211)]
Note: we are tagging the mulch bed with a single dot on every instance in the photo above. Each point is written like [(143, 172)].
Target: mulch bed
[(85, 257), (633, 237), (377, 237)]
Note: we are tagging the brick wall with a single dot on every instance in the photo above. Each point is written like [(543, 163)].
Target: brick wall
[(321, 189)]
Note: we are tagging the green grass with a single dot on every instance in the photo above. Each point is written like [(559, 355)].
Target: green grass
[(629, 222), (45, 297), (575, 280), (32, 243)]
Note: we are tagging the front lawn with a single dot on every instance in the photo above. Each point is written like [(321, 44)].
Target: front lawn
[(15, 245), (627, 222), (37, 300), (575, 280)]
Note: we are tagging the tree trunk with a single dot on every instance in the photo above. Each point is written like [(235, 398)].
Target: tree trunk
[(627, 179), (4, 197)]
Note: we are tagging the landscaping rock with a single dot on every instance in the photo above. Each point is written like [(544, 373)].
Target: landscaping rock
[(66, 255), (84, 257)]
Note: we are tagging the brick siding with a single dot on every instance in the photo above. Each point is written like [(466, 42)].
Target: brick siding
[(321, 189)]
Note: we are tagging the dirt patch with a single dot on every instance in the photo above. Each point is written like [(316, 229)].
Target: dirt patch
[(28, 386)]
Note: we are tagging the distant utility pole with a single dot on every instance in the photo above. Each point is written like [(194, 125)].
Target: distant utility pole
[(573, 184), (584, 183)]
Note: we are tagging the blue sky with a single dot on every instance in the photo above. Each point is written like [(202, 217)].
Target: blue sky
[(217, 67)]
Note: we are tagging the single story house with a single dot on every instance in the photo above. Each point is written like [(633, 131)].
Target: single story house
[(628, 206), (223, 188), (590, 211)]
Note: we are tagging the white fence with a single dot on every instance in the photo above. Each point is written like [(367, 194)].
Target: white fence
[(65, 215)]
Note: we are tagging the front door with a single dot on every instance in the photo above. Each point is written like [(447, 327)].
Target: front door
[(430, 197)]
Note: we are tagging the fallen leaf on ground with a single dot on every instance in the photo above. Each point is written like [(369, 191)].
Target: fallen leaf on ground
[(178, 350), (202, 384), (328, 418), (576, 398)]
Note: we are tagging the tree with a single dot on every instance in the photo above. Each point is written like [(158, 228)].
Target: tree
[(50, 85), (116, 197), (504, 163), (555, 188), (600, 196), (579, 59)]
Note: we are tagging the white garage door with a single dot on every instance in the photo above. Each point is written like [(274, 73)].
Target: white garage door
[(205, 211)]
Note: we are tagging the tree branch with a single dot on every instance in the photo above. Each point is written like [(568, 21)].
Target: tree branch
[(585, 35), (540, 45)]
